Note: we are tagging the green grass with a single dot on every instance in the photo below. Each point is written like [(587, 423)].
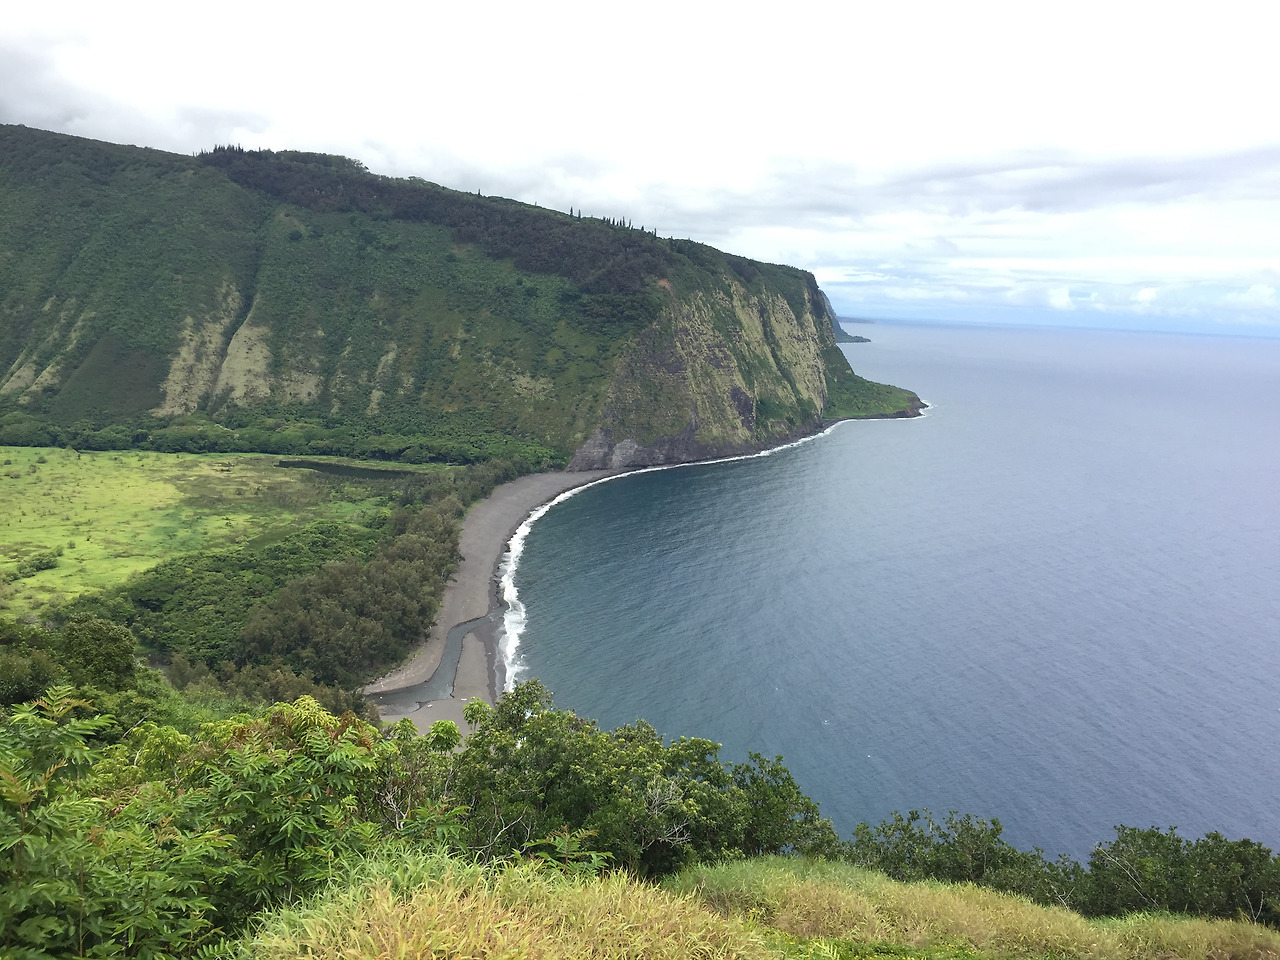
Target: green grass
[(850, 912), (850, 395), (413, 903), (116, 514)]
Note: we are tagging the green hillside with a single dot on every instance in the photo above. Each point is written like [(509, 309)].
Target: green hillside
[(295, 303), (147, 825)]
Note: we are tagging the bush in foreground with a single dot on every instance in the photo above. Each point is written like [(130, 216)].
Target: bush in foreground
[(160, 830)]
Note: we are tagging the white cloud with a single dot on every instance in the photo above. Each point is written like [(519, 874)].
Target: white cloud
[(933, 154), (1258, 295), (1060, 299)]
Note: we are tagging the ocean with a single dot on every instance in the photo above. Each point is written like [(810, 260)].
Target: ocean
[(1053, 600)]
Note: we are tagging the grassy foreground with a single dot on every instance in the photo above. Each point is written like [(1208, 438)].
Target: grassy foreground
[(861, 913), (425, 905), (98, 518)]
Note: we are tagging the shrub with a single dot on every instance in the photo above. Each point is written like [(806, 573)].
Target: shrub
[(30, 565)]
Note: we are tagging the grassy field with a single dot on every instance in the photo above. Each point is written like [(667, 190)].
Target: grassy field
[(113, 514), (838, 910), (781, 908)]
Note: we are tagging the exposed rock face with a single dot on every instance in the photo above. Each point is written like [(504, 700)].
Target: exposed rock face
[(196, 369), (602, 452), (736, 370)]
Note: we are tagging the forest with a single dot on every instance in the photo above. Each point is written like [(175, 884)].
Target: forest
[(317, 608)]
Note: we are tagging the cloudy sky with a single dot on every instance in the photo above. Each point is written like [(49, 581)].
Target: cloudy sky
[(1088, 163)]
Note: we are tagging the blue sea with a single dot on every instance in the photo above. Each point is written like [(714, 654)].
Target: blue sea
[(1054, 599)]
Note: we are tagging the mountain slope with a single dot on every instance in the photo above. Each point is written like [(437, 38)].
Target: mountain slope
[(296, 303)]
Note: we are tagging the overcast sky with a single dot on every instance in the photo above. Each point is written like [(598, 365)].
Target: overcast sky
[(1094, 163)]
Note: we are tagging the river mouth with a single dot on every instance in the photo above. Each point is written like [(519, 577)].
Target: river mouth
[(439, 686), (347, 469)]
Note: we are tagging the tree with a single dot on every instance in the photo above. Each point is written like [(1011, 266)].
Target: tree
[(27, 667), (287, 787), (530, 772), (778, 816), (99, 653), (1156, 870), (81, 877)]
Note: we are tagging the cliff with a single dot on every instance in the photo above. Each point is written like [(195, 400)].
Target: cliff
[(296, 303)]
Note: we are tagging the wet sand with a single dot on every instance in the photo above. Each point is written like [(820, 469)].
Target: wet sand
[(471, 594)]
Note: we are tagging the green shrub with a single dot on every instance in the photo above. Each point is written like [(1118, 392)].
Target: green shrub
[(32, 564)]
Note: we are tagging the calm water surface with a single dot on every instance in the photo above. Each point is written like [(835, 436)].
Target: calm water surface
[(1054, 600)]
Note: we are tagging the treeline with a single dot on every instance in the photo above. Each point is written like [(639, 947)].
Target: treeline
[(595, 255), (197, 604), (1141, 870), (100, 656), (86, 651), (612, 264), (349, 619), (259, 432)]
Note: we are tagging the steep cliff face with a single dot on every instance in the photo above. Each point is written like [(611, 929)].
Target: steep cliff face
[(295, 303), (721, 371)]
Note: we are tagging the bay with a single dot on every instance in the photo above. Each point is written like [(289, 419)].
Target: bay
[(1052, 600)]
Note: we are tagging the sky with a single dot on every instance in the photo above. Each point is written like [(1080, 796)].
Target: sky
[(1098, 164)]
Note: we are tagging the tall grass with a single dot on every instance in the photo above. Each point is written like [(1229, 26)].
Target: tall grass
[(420, 905), (407, 903), (841, 902)]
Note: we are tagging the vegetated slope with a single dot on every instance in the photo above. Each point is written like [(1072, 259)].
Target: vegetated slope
[(295, 303), (764, 907), (138, 823)]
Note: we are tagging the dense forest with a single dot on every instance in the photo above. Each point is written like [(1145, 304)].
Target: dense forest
[(316, 611)]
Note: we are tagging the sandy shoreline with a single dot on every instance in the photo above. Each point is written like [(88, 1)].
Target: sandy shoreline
[(471, 594)]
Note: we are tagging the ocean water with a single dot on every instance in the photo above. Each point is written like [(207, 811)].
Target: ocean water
[(1054, 600)]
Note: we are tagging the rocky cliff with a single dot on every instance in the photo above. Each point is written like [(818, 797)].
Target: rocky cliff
[(296, 303), (722, 370)]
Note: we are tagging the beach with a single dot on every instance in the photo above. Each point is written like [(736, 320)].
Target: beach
[(471, 608), (471, 595)]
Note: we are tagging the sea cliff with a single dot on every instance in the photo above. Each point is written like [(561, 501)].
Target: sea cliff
[(296, 303)]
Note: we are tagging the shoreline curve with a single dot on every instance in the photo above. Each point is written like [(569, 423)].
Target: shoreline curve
[(472, 593)]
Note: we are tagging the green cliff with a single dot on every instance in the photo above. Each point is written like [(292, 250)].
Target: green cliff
[(295, 303)]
